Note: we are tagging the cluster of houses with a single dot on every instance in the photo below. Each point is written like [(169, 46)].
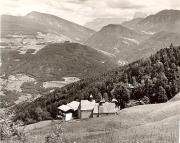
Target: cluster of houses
[(87, 109)]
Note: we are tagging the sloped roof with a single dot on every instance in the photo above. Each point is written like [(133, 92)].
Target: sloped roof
[(114, 100), (107, 108), (70, 106), (87, 105), (64, 108), (103, 100), (73, 105)]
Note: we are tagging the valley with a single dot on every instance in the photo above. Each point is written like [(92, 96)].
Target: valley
[(47, 62), (30, 68)]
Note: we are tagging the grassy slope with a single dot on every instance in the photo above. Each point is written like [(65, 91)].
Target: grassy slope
[(147, 123), (176, 98)]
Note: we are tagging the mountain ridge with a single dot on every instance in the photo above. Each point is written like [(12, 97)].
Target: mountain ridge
[(117, 40), (98, 23), (165, 20), (46, 23)]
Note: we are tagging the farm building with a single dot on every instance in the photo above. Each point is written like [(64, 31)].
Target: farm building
[(107, 108), (69, 111), (74, 105), (86, 109), (65, 112), (96, 110), (104, 109)]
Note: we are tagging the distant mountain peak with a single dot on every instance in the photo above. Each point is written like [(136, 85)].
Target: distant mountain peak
[(98, 23), (115, 28), (165, 20), (168, 12), (34, 13)]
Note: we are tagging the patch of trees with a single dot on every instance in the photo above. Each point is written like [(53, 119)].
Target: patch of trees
[(152, 80)]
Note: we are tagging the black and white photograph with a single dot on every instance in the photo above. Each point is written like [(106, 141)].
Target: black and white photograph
[(90, 71)]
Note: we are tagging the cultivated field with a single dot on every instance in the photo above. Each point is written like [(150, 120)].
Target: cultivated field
[(67, 80)]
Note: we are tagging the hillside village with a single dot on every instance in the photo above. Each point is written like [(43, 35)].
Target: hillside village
[(85, 109), (88, 109), (91, 108)]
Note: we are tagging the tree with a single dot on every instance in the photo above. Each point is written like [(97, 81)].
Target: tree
[(168, 91), (162, 97), (99, 97), (146, 100), (134, 82), (105, 96), (122, 94), (171, 45), (125, 78), (137, 93), (39, 113), (159, 67)]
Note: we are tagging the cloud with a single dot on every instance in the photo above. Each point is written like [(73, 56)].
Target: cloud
[(125, 4), (77, 1), (82, 11)]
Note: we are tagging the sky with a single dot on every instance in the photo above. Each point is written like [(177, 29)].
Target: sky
[(82, 11)]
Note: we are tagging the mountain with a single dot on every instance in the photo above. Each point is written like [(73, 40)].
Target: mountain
[(55, 61), (151, 80), (117, 40), (38, 55), (156, 42), (99, 23), (165, 20), (45, 23), (131, 23), (27, 75), (139, 37)]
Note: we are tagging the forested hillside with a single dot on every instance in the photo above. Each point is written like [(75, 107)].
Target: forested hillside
[(152, 80), (55, 61)]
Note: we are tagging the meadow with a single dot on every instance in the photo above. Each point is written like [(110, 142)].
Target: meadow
[(155, 123)]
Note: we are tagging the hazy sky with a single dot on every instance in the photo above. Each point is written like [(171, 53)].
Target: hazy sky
[(82, 11)]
